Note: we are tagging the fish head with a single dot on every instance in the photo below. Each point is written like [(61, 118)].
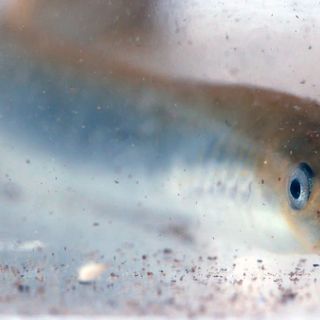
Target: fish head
[(289, 167)]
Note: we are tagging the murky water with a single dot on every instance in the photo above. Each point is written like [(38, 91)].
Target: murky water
[(94, 168)]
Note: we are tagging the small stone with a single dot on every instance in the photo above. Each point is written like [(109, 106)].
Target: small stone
[(90, 272)]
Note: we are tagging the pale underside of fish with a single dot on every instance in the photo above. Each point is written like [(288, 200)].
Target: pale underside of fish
[(89, 134)]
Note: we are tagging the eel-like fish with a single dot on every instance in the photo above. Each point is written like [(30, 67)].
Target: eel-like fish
[(243, 161)]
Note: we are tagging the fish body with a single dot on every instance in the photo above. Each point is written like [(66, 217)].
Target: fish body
[(221, 155)]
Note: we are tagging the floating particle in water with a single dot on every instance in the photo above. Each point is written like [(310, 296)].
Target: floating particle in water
[(23, 288), (167, 251)]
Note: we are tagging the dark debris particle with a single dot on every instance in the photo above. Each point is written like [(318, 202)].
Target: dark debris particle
[(212, 258), (288, 296), (86, 283), (316, 265), (179, 231), (114, 275), (23, 288), (167, 251)]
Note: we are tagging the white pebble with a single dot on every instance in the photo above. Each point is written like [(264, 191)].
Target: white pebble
[(91, 272)]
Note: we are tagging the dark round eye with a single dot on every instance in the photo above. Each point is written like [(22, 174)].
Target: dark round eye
[(300, 186)]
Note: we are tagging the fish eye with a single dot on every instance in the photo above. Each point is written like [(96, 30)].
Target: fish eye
[(300, 186)]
